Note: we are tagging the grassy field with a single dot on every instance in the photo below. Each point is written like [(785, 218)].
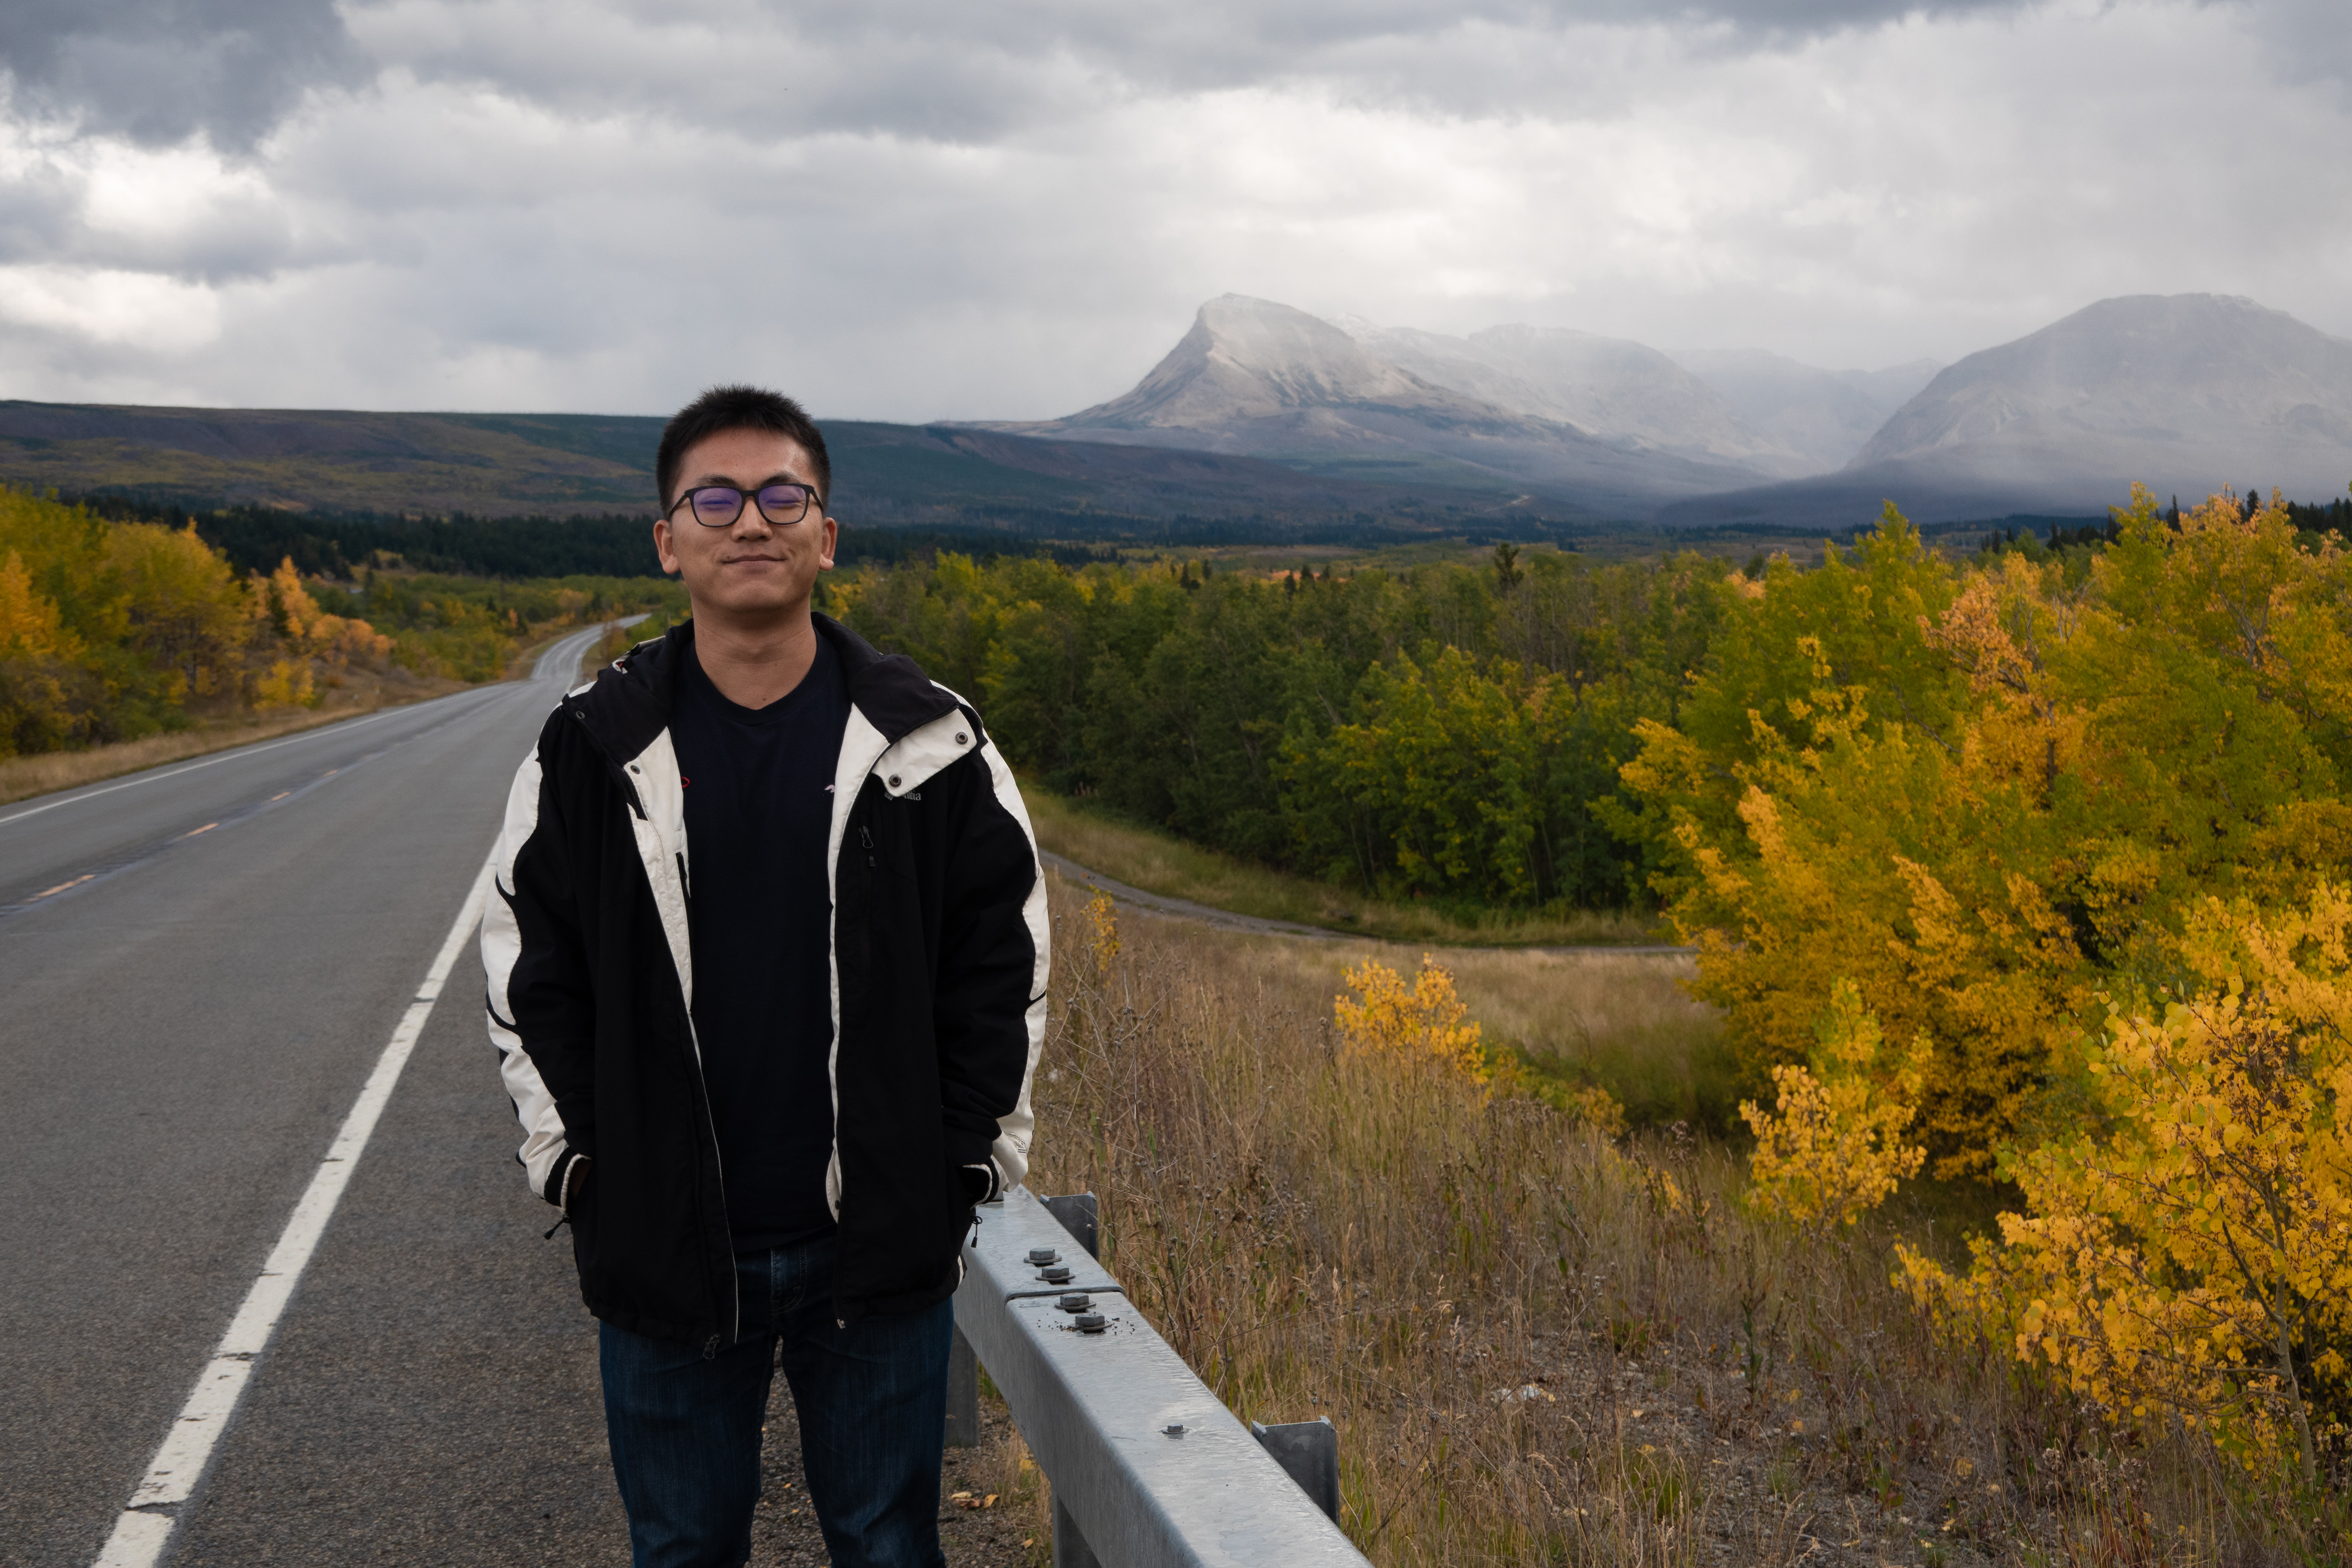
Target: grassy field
[(1539, 1346), (1159, 862)]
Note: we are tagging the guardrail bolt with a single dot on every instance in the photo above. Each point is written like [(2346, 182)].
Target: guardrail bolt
[(1090, 1322), (1054, 1276), (1076, 1302), (1041, 1255), (1174, 1428)]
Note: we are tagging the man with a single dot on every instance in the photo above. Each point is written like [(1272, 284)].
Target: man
[(767, 974)]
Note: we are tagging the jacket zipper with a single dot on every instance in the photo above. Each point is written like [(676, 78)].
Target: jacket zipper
[(865, 842), (694, 1042)]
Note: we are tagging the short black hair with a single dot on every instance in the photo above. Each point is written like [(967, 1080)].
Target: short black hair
[(723, 408)]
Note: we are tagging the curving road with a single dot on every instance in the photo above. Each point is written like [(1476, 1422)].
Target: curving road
[(199, 967)]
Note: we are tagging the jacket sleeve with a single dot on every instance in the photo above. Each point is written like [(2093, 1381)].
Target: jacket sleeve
[(540, 1004), (989, 1018)]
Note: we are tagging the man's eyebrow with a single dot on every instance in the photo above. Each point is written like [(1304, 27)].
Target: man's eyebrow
[(783, 476)]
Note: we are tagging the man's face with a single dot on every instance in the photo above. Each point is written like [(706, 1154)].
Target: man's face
[(754, 568)]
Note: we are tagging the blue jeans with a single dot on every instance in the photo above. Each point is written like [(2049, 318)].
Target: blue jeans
[(872, 1399)]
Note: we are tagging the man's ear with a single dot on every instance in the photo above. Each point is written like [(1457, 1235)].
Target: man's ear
[(662, 551), (831, 542)]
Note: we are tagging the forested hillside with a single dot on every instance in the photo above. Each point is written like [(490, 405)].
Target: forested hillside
[(1444, 733), (111, 630)]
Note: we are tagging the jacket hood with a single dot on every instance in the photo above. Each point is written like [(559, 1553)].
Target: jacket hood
[(628, 704)]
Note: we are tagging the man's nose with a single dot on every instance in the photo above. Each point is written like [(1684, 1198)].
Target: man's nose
[(752, 524)]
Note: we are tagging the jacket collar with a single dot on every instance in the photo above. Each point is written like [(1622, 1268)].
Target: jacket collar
[(629, 703)]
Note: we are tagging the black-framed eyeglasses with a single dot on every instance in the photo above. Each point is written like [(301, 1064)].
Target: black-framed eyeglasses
[(718, 506)]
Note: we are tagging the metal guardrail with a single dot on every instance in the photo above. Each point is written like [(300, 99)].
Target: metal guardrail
[(1148, 1468)]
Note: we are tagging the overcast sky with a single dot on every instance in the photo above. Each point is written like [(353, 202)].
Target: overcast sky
[(916, 209)]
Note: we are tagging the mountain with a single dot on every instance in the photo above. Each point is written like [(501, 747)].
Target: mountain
[(2187, 393), (572, 465), (1825, 416), (299, 457), (1610, 387), (1252, 376)]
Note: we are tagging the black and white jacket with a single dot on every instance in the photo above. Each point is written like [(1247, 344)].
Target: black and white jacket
[(938, 993)]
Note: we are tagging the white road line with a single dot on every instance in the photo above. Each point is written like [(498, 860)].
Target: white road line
[(144, 1527), (323, 730), (342, 727)]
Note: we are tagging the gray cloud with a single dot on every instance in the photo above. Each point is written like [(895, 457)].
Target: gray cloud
[(955, 72), (156, 71), (918, 210)]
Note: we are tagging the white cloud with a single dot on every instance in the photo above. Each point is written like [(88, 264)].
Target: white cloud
[(912, 211), (111, 308)]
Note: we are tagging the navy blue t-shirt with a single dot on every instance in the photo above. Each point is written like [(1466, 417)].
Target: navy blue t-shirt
[(758, 806)]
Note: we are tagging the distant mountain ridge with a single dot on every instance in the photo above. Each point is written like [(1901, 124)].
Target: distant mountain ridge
[(2187, 393), (561, 464), (1273, 420), (1610, 388), (1258, 377)]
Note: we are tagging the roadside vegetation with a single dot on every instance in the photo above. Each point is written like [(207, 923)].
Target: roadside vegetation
[(116, 634), (1437, 736), (1996, 1203), (1104, 840), (1544, 1340)]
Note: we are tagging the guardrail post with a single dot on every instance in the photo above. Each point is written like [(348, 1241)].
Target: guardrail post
[(963, 1394), (1148, 1469), (1080, 1213), (1081, 1216), (1308, 1453), (1070, 1548)]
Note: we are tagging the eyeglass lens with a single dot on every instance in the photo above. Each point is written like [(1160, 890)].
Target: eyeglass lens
[(717, 505)]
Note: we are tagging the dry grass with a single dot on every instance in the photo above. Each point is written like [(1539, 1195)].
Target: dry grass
[(1161, 863), (1539, 1347), (1622, 1021)]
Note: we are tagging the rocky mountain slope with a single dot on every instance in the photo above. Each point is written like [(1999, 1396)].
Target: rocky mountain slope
[(2187, 393), (1610, 388), (1254, 376)]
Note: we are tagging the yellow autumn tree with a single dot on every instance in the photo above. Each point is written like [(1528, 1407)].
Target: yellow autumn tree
[(1102, 930), (182, 607), (2191, 1261), (1981, 795), (29, 623), (309, 630), (295, 612), (33, 645), (1418, 1023), (288, 683), (1833, 1147)]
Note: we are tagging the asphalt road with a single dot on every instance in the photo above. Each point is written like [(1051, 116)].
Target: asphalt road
[(198, 968)]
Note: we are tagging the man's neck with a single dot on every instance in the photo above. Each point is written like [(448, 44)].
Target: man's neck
[(753, 666)]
